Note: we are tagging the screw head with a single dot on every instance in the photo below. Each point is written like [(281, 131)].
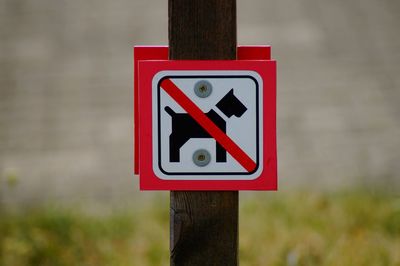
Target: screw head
[(201, 157), (203, 88)]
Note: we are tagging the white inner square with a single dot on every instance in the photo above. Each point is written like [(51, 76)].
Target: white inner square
[(242, 130)]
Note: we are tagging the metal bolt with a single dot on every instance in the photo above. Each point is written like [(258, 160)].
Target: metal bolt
[(203, 88), (201, 157)]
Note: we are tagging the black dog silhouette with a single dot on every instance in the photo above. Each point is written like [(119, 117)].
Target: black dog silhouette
[(184, 127)]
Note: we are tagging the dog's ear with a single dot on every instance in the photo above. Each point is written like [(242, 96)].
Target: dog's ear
[(230, 105)]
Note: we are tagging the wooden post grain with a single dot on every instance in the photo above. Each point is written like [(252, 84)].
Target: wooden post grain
[(204, 225)]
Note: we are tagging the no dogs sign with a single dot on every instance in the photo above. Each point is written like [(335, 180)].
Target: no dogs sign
[(206, 125)]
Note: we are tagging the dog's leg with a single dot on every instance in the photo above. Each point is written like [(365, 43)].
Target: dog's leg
[(221, 153), (175, 144), (173, 149)]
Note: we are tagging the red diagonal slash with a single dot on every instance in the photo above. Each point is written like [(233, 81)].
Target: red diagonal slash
[(197, 114)]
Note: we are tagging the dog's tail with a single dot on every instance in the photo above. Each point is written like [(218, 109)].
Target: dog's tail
[(169, 111)]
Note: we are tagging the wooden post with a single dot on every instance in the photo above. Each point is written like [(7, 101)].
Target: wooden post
[(204, 225)]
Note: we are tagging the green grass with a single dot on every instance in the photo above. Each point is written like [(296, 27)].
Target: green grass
[(343, 228)]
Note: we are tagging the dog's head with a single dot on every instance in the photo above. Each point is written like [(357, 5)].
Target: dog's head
[(230, 105)]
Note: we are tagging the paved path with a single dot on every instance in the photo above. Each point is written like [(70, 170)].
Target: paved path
[(66, 97)]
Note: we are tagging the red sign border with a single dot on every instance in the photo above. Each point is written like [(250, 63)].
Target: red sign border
[(143, 53), (144, 73)]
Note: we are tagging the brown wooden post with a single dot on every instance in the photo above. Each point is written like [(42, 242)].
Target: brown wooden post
[(204, 225)]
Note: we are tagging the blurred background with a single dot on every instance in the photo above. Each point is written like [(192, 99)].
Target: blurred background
[(66, 127)]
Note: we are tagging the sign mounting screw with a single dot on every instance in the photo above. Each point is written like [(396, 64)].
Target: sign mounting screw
[(201, 157), (203, 88)]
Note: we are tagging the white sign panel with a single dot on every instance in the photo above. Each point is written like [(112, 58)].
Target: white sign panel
[(207, 125)]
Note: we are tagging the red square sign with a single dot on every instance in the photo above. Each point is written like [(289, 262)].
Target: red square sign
[(207, 125)]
